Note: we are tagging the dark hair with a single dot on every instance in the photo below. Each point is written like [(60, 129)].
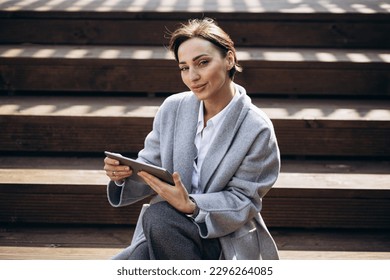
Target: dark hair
[(206, 29)]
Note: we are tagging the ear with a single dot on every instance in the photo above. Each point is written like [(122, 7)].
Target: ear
[(230, 60)]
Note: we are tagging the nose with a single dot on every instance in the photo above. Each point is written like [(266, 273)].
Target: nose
[(194, 75)]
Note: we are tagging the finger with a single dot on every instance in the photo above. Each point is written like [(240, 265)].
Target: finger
[(145, 176), (108, 166), (179, 185), (151, 180), (116, 175), (111, 175), (111, 161), (176, 179), (122, 174), (117, 168)]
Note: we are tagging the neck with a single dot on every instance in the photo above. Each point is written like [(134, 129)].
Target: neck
[(213, 107)]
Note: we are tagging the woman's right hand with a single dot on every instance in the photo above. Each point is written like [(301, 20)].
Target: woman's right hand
[(115, 171)]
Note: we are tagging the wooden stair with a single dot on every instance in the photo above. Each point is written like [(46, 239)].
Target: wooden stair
[(270, 24), (324, 127), (126, 70), (71, 76), (42, 242), (308, 194)]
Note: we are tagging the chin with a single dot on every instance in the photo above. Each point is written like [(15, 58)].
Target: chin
[(201, 95)]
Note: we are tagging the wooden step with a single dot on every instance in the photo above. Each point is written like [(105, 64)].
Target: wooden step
[(325, 127), (129, 70), (330, 194), (102, 242), (271, 23), (309, 194), (166, 6)]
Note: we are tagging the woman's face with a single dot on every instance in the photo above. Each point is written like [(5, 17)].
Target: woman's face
[(203, 69)]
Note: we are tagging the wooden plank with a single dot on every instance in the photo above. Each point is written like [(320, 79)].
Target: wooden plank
[(66, 236), (32, 193), (118, 69), (80, 134), (333, 138), (332, 255), (88, 163), (137, 77), (246, 28), (60, 124), (60, 207), (311, 81), (280, 210), (146, 107), (315, 212), (326, 185), (328, 240), (65, 242), (82, 236), (155, 8), (47, 253), (73, 134), (288, 33), (120, 53), (91, 76)]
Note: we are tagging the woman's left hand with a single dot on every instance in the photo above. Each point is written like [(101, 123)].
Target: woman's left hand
[(176, 195)]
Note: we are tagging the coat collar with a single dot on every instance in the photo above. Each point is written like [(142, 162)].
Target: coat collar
[(223, 140), (184, 151)]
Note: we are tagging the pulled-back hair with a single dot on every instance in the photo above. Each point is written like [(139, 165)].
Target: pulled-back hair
[(206, 29)]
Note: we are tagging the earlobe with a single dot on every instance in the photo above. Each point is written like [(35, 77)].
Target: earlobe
[(230, 65)]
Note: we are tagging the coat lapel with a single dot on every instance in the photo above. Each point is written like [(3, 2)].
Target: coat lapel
[(184, 150), (223, 140)]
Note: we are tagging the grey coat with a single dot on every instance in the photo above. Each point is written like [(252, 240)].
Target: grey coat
[(241, 166)]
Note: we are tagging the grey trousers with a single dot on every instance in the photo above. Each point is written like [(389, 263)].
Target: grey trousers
[(172, 235)]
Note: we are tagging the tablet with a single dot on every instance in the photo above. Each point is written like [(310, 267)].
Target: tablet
[(138, 166)]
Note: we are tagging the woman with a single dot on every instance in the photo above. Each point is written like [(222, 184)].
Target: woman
[(224, 155)]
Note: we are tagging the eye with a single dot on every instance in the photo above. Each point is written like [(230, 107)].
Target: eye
[(184, 68), (203, 62)]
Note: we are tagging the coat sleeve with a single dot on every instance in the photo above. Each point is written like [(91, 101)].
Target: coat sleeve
[(157, 151), (248, 179), (134, 191)]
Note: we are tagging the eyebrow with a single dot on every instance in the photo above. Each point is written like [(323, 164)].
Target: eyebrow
[(195, 58)]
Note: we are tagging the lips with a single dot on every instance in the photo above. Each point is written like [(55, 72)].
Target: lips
[(197, 87)]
